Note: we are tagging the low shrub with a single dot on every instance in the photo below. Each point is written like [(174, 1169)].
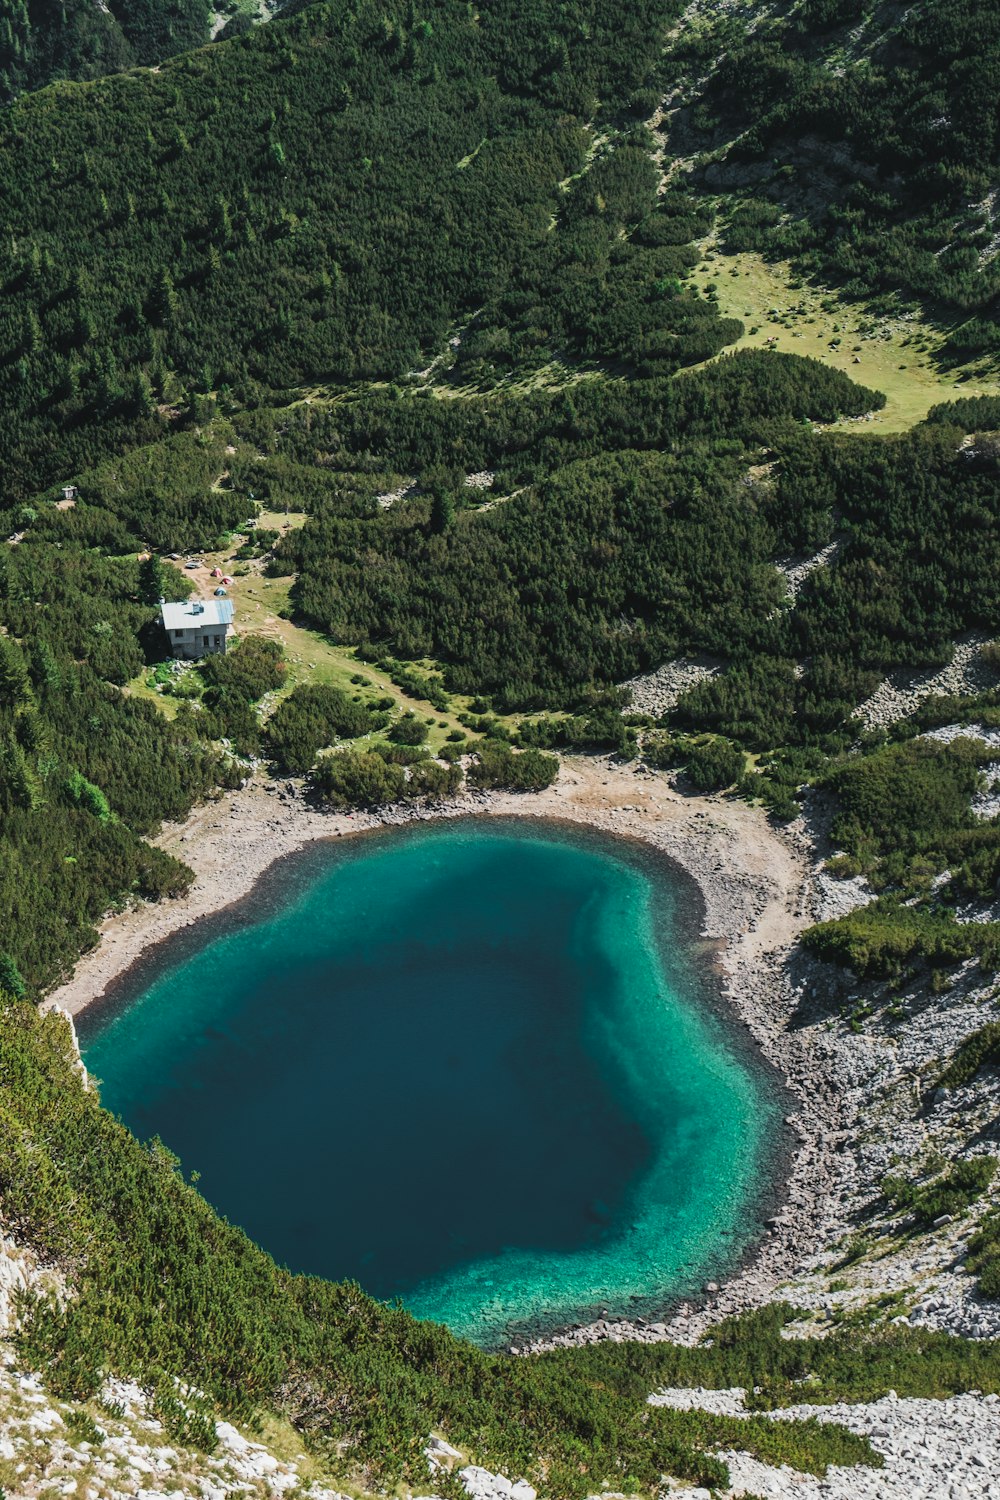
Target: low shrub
[(499, 767), (949, 1193), (408, 730), (979, 1050), (312, 717), (350, 778), (714, 765)]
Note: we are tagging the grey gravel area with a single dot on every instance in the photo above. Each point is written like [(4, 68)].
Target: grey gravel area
[(657, 692), (932, 1450), (904, 690), (798, 569)]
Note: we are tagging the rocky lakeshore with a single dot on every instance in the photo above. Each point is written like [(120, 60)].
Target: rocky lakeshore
[(753, 879), (853, 1093), (864, 1103), (757, 891)]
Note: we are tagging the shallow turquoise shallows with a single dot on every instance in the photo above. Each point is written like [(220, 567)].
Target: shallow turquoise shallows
[(472, 1065)]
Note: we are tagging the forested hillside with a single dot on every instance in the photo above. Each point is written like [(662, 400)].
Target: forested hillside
[(857, 137), (593, 570), (183, 243), (320, 200), (632, 516)]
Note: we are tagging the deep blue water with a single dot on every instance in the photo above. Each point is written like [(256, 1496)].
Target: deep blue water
[(468, 1064)]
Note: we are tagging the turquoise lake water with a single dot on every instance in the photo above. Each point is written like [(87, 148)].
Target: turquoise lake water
[(468, 1064)]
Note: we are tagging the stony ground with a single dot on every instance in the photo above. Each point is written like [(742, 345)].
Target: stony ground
[(933, 1450), (888, 1046), (115, 1449), (798, 569), (897, 696), (903, 691), (657, 692)]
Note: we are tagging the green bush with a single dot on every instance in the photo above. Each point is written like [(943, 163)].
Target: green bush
[(415, 684), (905, 816), (604, 729), (184, 685), (984, 1255), (499, 767), (408, 730), (887, 938), (433, 782), (350, 778), (85, 794), (311, 718), (400, 755), (254, 665), (901, 800), (980, 1050), (950, 1193), (714, 765), (778, 798)]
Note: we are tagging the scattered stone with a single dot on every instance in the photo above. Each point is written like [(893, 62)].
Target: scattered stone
[(657, 692), (901, 693), (480, 1484), (439, 1453), (933, 1450)]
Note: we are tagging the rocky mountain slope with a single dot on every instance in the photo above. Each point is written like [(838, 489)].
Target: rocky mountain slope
[(342, 268), (857, 137)]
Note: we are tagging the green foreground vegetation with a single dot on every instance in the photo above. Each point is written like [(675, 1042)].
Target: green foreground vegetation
[(466, 413)]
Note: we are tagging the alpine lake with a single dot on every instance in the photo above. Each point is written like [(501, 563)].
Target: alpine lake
[(479, 1065)]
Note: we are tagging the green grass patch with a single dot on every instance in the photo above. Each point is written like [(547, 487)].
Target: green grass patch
[(779, 311)]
